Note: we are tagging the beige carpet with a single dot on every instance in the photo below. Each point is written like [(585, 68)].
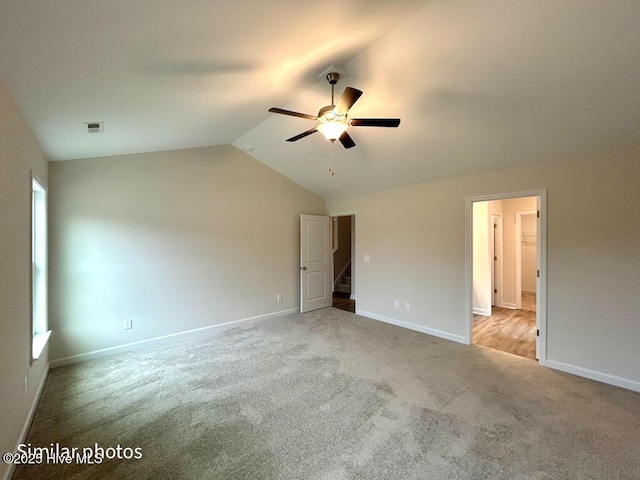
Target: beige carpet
[(330, 395)]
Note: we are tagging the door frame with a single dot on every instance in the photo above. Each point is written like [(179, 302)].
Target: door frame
[(541, 295), (354, 253)]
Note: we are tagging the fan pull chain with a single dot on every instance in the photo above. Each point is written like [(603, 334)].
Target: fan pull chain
[(331, 172)]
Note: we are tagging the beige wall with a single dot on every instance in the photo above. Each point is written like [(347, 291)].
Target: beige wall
[(19, 153), (415, 237), (174, 240)]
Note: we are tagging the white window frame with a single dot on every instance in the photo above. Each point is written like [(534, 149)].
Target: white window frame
[(39, 299)]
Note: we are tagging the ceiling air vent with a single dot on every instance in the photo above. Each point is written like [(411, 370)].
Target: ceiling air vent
[(94, 127)]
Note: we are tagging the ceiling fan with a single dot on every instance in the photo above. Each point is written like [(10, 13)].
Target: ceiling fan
[(333, 120)]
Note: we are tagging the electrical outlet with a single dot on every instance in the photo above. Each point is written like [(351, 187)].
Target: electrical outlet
[(279, 297), (407, 306), (127, 324), (367, 258), (396, 304)]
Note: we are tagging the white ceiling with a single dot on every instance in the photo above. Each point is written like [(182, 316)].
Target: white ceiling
[(479, 86)]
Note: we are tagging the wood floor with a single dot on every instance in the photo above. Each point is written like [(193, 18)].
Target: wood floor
[(507, 330), (529, 301), (343, 302)]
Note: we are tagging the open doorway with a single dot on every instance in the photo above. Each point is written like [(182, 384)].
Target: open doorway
[(344, 265), (506, 305)]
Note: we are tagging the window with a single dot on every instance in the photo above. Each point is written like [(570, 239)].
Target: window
[(38, 268)]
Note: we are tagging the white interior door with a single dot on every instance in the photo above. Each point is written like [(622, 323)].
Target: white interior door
[(316, 262)]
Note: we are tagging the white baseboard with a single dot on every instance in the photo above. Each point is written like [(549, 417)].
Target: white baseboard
[(413, 326), (482, 311), (27, 423), (594, 375), (512, 306), (352, 297), (174, 337)]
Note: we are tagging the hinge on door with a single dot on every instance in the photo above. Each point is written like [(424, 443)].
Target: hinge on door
[(495, 259), (538, 213), (495, 225), (537, 333), (495, 290), (538, 273)]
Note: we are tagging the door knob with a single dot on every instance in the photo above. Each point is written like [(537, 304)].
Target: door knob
[(304, 268)]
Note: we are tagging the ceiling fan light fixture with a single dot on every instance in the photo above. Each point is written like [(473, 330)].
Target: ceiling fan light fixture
[(332, 128), (332, 119)]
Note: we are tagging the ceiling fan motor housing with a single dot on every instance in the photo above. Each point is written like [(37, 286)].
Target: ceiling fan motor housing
[(333, 78), (325, 110)]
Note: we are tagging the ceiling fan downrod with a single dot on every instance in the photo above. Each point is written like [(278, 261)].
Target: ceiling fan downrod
[(333, 78)]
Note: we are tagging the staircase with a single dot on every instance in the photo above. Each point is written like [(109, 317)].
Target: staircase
[(343, 284)]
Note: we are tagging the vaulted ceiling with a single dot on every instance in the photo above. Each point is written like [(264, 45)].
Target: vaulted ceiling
[(479, 86)]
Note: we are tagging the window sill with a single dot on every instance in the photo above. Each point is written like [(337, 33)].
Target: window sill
[(39, 342)]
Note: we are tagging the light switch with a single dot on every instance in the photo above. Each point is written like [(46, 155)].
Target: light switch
[(367, 258)]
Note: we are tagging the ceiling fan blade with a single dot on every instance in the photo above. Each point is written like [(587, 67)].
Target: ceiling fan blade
[(293, 114), (346, 140), (348, 98), (375, 122), (302, 135)]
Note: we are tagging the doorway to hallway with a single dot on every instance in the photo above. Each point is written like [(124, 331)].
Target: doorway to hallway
[(343, 302), (505, 274), (344, 262)]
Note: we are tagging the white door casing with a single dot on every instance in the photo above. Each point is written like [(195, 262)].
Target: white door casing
[(496, 259), (316, 262)]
